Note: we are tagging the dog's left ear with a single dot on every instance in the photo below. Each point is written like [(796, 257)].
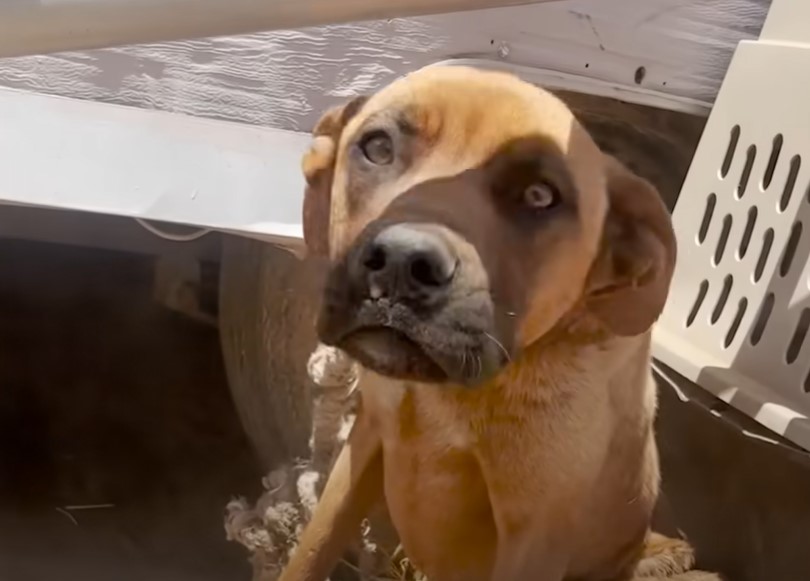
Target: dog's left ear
[(318, 165), (629, 282)]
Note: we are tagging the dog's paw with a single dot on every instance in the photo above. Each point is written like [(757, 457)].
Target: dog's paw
[(696, 576), (665, 557)]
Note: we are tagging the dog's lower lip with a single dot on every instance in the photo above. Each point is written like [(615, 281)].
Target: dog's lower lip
[(391, 351), (369, 329), (398, 336)]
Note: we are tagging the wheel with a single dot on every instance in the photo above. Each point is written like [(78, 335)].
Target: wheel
[(268, 302)]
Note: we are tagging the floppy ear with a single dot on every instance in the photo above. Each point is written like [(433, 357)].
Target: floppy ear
[(318, 166), (629, 282)]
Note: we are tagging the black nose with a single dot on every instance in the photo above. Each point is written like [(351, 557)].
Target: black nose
[(407, 262)]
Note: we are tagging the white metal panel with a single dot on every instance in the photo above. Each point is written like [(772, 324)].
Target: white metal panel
[(35, 27), (285, 79), (585, 85), (78, 155)]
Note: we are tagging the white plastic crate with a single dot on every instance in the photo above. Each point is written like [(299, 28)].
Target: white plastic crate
[(739, 310)]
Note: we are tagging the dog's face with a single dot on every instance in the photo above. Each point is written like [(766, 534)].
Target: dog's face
[(466, 214)]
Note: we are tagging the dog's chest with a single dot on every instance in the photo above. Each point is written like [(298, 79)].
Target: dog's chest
[(436, 443), (434, 487), (422, 428), (443, 447)]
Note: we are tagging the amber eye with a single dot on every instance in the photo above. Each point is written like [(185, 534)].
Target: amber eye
[(540, 196), (378, 148)]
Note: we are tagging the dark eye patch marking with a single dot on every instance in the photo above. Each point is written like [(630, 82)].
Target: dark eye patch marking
[(521, 165)]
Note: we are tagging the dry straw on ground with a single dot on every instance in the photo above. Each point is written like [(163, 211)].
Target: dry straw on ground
[(270, 527)]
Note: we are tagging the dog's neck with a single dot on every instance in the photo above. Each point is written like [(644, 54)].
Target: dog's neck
[(576, 329), (578, 344)]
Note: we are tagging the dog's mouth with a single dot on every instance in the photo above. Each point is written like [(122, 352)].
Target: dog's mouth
[(392, 340), (393, 353)]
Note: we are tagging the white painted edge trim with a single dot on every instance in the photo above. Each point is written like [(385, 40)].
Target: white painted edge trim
[(70, 154), (589, 86)]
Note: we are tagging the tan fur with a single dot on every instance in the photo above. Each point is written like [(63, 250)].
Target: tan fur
[(550, 471)]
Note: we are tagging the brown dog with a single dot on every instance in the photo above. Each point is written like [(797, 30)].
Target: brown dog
[(496, 276)]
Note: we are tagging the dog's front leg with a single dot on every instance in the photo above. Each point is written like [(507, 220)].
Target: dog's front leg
[(532, 516), (354, 486), (530, 554)]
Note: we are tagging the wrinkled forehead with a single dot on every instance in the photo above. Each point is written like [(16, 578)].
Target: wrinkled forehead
[(465, 115)]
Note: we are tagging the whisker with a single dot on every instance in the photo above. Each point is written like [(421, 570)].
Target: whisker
[(463, 361), (499, 344)]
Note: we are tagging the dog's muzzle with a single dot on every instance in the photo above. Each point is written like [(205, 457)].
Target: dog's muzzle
[(395, 304)]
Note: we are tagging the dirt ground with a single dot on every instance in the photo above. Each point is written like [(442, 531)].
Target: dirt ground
[(108, 399)]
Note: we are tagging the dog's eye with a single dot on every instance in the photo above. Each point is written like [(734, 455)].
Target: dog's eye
[(378, 148), (540, 196)]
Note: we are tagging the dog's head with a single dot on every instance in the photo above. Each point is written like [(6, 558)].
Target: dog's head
[(467, 214)]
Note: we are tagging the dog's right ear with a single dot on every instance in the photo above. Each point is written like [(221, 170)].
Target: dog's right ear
[(629, 282), (318, 166)]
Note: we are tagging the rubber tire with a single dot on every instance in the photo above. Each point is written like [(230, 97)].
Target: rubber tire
[(268, 302)]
